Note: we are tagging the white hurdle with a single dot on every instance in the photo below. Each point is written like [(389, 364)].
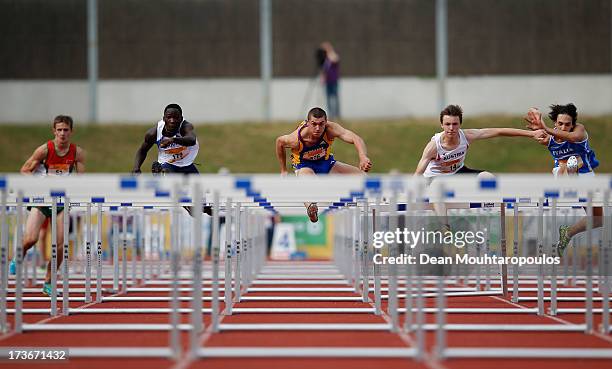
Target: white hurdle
[(244, 202)]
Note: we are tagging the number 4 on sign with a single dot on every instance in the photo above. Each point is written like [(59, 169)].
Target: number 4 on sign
[(283, 242)]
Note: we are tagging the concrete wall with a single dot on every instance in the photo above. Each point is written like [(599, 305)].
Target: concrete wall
[(226, 100)]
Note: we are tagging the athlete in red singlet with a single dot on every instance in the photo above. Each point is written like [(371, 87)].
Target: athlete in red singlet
[(59, 157)]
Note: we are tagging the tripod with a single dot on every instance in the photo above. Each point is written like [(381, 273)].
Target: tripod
[(312, 87)]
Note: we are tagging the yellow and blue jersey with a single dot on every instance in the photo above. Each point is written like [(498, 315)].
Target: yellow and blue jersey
[(318, 156)]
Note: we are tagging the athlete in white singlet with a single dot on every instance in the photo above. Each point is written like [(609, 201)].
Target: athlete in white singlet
[(447, 162), (177, 147), (175, 154), (176, 142), (445, 153)]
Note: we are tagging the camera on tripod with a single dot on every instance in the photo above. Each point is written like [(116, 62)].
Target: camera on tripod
[(320, 56)]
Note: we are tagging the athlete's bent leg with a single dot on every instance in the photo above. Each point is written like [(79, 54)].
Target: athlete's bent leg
[(581, 225), (342, 168), (567, 232), (33, 224), (41, 244), (440, 208), (60, 246), (311, 207)]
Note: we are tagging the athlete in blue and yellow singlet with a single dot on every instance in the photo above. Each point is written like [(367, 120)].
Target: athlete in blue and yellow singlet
[(310, 145), (318, 157)]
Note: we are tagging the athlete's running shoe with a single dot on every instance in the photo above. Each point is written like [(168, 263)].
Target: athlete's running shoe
[(47, 290), (313, 212), (563, 240)]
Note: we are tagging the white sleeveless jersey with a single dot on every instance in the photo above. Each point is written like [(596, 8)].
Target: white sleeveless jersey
[(447, 162), (175, 154)]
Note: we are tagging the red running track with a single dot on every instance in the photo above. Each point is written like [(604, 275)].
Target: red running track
[(308, 338)]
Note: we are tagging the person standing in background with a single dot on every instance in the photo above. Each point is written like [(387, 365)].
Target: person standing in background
[(330, 74)]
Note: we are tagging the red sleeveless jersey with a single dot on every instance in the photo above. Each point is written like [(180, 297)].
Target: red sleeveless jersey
[(60, 165)]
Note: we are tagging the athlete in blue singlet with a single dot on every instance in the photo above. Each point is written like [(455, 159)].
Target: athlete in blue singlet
[(568, 143), (584, 160), (310, 145)]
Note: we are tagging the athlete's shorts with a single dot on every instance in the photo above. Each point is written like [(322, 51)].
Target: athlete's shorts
[(189, 169), (555, 172), (321, 166), (46, 210), (465, 170)]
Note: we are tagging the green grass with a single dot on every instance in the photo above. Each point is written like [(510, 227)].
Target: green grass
[(249, 147)]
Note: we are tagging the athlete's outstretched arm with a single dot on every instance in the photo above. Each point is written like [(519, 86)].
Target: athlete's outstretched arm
[(348, 136), (429, 153), (80, 160), (188, 139), (141, 154), (535, 121), (484, 133), (542, 137), (283, 142), (33, 161)]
